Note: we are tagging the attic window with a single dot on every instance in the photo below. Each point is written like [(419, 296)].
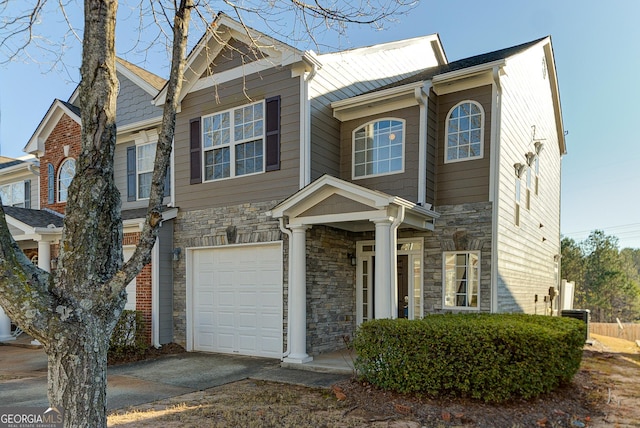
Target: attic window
[(464, 138), (378, 148)]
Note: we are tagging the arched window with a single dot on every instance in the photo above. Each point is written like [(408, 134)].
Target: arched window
[(65, 175), (378, 148), (465, 129)]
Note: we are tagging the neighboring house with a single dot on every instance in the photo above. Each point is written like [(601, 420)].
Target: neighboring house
[(316, 192), (18, 188), (56, 144)]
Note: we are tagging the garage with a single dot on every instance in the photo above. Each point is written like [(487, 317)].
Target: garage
[(237, 300)]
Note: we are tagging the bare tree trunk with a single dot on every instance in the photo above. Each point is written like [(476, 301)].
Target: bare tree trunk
[(78, 374)]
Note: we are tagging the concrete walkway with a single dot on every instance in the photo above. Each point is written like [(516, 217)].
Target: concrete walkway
[(23, 376)]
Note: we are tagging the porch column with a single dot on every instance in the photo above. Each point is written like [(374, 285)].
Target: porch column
[(44, 255), (383, 270), (298, 297), (5, 327)]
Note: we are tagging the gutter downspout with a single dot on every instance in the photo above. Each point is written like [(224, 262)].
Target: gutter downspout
[(393, 230), (494, 185), (305, 126), (422, 97), (290, 236)]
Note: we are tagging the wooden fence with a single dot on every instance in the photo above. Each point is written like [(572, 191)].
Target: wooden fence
[(628, 331)]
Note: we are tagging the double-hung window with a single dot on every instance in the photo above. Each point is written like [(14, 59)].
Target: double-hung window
[(233, 142), (378, 148), (15, 194), (145, 157), (464, 139), (461, 280)]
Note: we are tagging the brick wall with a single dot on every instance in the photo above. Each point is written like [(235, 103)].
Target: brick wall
[(67, 132)]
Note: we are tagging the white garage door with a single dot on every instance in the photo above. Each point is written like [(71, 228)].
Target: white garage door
[(237, 300)]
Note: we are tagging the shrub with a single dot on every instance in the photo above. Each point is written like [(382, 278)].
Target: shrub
[(128, 338), (492, 357)]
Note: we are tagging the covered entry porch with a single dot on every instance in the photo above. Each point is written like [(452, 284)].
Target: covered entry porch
[(339, 204)]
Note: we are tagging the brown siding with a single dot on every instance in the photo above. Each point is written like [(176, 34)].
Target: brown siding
[(235, 54), (465, 181), (403, 184), (274, 185), (432, 142)]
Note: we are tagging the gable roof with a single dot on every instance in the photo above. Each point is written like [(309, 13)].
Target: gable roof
[(465, 63), (217, 37), (148, 81), (34, 218), (56, 111)]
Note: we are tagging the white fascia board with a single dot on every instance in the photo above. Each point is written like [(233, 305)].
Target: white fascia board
[(236, 73), (376, 102), (20, 225), (143, 124), (16, 168), (414, 207), (46, 126), (340, 218), (466, 72), (555, 91), (137, 80)]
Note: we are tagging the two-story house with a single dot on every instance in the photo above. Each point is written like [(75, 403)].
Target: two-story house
[(316, 192), (18, 189), (56, 144)]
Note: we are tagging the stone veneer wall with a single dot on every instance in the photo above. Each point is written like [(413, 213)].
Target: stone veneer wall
[(330, 276), (331, 294), (465, 227), (212, 227)]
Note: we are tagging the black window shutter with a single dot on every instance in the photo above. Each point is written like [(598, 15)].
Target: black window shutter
[(272, 162), (131, 173), (167, 182), (27, 193), (50, 184), (195, 151)]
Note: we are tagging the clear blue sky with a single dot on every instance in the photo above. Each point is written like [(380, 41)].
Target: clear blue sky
[(597, 58)]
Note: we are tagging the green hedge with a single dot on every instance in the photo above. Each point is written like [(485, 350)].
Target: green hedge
[(128, 336), (492, 357)]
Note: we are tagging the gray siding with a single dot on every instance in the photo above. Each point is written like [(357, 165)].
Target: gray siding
[(526, 252), (165, 286), (274, 185), (465, 181), (403, 184), (134, 104), (120, 177), (325, 141)]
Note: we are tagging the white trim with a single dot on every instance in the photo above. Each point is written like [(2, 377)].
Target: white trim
[(232, 144), (58, 199), (361, 255), (422, 96), (478, 279), (235, 73), (446, 133), (154, 121), (467, 72), (35, 145), (155, 294), (134, 78), (382, 101), (494, 182), (353, 148), (190, 274)]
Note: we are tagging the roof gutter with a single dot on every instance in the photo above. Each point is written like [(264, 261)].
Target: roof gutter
[(467, 72)]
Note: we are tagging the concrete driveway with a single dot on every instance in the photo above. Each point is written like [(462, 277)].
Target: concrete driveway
[(23, 376)]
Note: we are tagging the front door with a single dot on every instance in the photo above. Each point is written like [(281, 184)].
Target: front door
[(409, 279)]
